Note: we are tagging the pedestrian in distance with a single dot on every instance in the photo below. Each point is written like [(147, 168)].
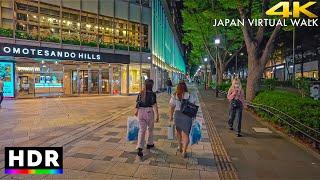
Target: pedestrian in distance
[(236, 99), (1, 90), (182, 122), (169, 86), (146, 108)]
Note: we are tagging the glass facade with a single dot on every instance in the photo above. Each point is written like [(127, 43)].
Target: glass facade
[(52, 23), (99, 24), (43, 77), (165, 45)]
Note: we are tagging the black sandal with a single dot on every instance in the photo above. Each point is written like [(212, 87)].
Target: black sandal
[(140, 153)]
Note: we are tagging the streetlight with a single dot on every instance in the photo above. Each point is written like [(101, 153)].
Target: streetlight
[(217, 42), (205, 75)]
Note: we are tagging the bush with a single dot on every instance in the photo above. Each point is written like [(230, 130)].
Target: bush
[(270, 84), (134, 48), (90, 43), (25, 35), (224, 86), (121, 46), (212, 85), (6, 32), (145, 49), (103, 45), (303, 85), (71, 41), (50, 39), (305, 110)]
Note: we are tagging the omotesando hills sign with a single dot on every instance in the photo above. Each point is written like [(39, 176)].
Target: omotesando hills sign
[(63, 54)]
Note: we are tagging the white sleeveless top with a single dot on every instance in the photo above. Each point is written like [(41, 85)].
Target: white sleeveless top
[(174, 101)]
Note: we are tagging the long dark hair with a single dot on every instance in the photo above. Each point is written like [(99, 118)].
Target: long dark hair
[(181, 89), (148, 85)]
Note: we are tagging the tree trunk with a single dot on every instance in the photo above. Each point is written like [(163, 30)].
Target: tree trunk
[(220, 71), (254, 74)]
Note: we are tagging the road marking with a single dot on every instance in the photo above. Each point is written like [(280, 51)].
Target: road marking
[(261, 130)]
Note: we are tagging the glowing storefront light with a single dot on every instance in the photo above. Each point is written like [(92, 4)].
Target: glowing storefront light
[(28, 69), (164, 44)]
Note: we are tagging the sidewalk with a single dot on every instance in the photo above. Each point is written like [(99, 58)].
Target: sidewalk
[(259, 155), (102, 152)]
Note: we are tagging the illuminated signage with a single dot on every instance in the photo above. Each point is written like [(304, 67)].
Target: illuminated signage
[(29, 69), (63, 54), (6, 72)]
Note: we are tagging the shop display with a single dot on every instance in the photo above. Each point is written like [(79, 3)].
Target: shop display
[(7, 74)]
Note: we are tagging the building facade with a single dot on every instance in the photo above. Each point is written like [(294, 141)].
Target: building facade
[(297, 55), (74, 47)]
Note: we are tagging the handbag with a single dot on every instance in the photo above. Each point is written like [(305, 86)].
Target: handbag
[(235, 103), (188, 108)]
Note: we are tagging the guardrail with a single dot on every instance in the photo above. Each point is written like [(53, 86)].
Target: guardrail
[(305, 131)]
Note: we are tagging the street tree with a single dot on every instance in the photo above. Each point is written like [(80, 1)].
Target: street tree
[(198, 17), (259, 41)]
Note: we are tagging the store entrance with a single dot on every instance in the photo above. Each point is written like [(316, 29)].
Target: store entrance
[(80, 82), (90, 82)]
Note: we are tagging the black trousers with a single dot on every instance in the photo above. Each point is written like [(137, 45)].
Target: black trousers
[(1, 97), (235, 114)]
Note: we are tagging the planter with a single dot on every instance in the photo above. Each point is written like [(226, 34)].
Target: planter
[(146, 50), (71, 41), (134, 48), (6, 32), (50, 39), (91, 44), (109, 46), (121, 47)]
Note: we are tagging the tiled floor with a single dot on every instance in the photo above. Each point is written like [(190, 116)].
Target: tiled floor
[(104, 153)]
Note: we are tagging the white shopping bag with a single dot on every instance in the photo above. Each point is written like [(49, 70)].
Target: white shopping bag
[(132, 128), (171, 132)]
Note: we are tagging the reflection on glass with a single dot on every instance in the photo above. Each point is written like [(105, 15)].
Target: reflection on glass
[(134, 78), (116, 79)]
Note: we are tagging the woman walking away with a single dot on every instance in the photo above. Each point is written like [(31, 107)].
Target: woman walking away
[(236, 99), (183, 122), (146, 108)]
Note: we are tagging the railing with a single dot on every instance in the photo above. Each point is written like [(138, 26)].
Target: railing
[(299, 128)]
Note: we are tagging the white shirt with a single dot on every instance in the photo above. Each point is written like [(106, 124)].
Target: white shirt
[(1, 86), (176, 103)]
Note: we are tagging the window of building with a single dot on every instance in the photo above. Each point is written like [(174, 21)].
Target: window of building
[(50, 23)]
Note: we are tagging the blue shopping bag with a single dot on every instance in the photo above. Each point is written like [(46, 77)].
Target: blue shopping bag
[(195, 133), (132, 128)]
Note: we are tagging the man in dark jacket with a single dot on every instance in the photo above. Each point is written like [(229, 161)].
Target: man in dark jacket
[(169, 86)]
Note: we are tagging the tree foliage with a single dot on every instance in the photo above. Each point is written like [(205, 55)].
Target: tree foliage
[(198, 17)]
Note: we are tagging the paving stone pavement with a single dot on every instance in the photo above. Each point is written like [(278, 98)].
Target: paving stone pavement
[(104, 153)]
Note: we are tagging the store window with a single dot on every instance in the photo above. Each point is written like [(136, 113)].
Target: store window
[(124, 78), (41, 21), (50, 24), (89, 27), (48, 82), (134, 78), (71, 27), (105, 83), (39, 79), (116, 80)]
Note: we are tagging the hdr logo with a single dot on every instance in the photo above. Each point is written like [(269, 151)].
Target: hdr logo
[(33, 160), (296, 10)]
